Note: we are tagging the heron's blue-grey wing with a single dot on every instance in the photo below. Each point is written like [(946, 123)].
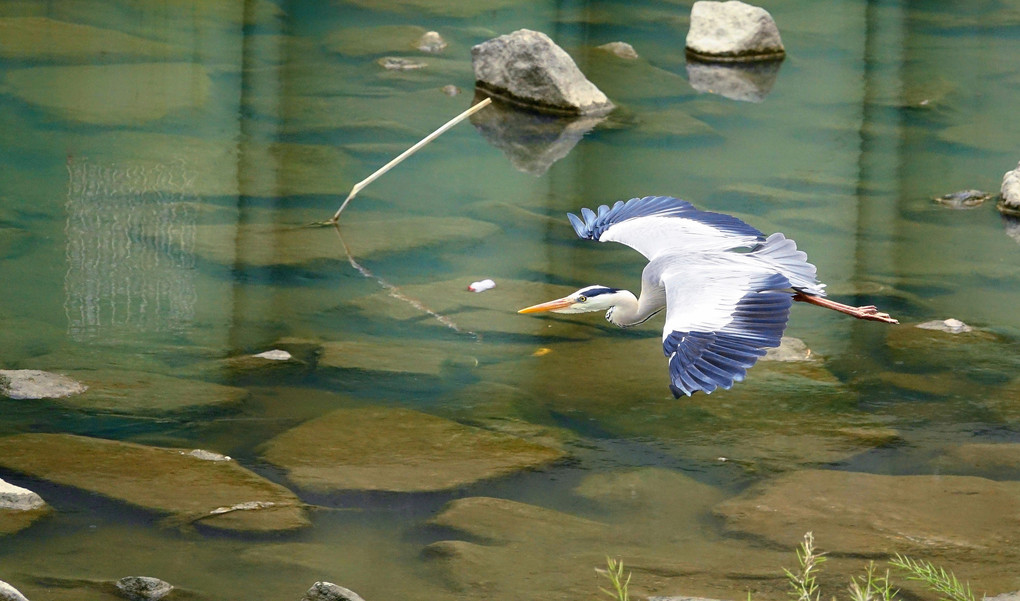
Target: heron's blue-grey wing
[(719, 321), (655, 224)]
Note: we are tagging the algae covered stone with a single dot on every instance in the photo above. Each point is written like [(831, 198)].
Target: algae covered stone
[(124, 94), (44, 38), (857, 513), (142, 392), (217, 494), (397, 450)]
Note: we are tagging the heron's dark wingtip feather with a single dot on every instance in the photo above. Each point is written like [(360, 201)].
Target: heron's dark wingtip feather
[(708, 360), (597, 222)]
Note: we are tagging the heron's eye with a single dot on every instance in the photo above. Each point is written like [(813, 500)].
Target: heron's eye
[(581, 299)]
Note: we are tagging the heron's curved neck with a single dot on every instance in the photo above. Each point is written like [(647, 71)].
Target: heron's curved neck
[(627, 311)]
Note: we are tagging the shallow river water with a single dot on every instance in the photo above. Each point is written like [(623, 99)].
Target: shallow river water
[(159, 162)]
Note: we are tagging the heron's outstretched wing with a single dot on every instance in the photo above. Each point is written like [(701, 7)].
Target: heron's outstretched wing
[(719, 320), (656, 224)]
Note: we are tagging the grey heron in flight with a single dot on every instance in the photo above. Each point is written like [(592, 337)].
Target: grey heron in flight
[(726, 287)]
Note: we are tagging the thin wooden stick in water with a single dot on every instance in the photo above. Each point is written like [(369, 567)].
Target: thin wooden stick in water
[(368, 180)]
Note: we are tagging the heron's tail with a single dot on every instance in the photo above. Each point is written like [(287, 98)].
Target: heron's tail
[(781, 253)]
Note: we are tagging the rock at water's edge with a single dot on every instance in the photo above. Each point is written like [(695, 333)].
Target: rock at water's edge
[(529, 68), (18, 498), (327, 591), (143, 588), (35, 384), (1009, 203), (733, 31), (9, 593)]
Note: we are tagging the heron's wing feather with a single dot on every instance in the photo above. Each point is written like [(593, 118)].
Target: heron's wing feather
[(656, 224), (719, 321)]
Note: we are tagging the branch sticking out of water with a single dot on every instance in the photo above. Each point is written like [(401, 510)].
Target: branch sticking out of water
[(368, 180)]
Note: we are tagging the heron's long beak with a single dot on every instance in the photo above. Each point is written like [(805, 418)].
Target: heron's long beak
[(560, 303)]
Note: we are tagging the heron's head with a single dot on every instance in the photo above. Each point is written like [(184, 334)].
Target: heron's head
[(585, 300)]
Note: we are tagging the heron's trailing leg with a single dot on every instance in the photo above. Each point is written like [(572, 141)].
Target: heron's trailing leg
[(866, 312)]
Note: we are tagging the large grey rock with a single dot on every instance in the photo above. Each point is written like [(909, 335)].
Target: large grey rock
[(529, 68), (18, 498), (36, 384), (143, 588), (327, 591), (951, 326), (733, 31), (1009, 203), (9, 593)]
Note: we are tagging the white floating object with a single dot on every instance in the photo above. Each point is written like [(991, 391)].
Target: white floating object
[(481, 286), (274, 355)]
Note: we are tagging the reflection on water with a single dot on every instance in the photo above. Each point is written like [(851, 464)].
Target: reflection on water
[(129, 250), (160, 160)]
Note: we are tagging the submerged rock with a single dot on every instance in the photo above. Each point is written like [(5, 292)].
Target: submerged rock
[(9, 593), (164, 480), (620, 49), (327, 591), (532, 141), (397, 450), (1009, 203), (34, 38), (35, 384), (143, 588), (362, 41), (274, 355), (142, 392), (951, 326), (529, 68), (380, 355), (503, 521), (861, 514), (789, 349), (733, 31), (963, 199), (364, 234), (747, 82), (119, 94), (399, 63), (431, 42), (558, 550)]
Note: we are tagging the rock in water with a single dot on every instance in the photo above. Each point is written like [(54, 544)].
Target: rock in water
[(733, 31), (431, 42), (620, 49), (529, 68), (35, 384), (9, 593), (18, 499), (143, 588), (327, 591), (1009, 204)]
